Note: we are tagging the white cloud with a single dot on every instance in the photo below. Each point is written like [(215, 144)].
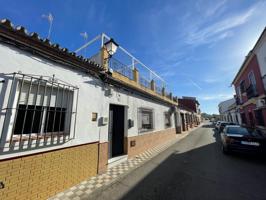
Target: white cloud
[(221, 97), (194, 84), (220, 29), (211, 80), (212, 10)]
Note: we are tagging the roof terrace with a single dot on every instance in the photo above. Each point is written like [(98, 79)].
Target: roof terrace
[(124, 66)]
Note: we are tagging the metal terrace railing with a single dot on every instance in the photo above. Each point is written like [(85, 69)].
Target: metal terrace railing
[(122, 61), (39, 112), (158, 89), (144, 82), (119, 67)]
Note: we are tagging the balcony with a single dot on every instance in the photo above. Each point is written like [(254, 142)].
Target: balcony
[(238, 101), (251, 91)]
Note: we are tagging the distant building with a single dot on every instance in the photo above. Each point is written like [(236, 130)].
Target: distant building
[(227, 110), (190, 112)]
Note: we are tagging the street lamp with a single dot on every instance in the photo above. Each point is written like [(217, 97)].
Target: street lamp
[(111, 47)]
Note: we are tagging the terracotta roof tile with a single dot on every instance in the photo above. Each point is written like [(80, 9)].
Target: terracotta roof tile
[(8, 27)]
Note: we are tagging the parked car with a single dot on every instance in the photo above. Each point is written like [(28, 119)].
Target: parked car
[(241, 139), (223, 124)]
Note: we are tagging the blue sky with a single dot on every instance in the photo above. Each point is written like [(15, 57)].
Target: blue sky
[(197, 46)]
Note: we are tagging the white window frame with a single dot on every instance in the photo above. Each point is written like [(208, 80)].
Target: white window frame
[(170, 120), (140, 110)]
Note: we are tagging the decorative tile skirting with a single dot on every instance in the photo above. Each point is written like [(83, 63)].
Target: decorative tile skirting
[(85, 188)]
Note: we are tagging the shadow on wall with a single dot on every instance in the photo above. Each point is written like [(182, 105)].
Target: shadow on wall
[(203, 173)]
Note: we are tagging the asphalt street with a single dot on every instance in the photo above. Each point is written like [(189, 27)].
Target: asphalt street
[(193, 168)]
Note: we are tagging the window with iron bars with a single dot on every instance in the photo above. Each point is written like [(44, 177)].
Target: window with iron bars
[(167, 120), (259, 117), (39, 111), (145, 119), (243, 118)]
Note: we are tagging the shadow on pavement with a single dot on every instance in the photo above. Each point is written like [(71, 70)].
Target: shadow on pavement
[(203, 173), (207, 126)]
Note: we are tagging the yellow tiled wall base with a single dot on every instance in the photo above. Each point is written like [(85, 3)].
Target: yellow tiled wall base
[(43, 175), (146, 141)]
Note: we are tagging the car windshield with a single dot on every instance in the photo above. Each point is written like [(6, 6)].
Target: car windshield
[(237, 130), (226, 123)]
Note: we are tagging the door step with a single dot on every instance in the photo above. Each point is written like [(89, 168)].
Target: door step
[(117, 160)]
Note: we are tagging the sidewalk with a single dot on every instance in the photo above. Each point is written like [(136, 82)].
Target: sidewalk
[(85, 188)]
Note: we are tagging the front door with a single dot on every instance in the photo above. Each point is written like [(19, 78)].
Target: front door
[(183, 122), (116, 130)]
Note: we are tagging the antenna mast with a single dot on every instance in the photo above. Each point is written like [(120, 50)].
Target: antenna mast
[(85, 36), (50, 19)]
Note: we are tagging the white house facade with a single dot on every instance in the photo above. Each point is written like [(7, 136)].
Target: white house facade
[(65, 118)]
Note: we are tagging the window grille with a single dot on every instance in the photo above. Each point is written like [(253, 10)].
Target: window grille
[(145, 119), (39, 111), (259, 117), (243, 118), (167, 120)]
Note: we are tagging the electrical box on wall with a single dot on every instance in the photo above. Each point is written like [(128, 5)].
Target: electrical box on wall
[(2, 185), (132, 143), (104, 121), (130, 123), (94, 117)]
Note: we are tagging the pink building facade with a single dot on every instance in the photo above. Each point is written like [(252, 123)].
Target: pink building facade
[(250, 91)]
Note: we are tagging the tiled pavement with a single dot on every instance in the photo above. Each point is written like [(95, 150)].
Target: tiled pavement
[(85, 188)]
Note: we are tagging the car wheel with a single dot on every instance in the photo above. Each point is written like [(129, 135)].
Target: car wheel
[(225, 150)]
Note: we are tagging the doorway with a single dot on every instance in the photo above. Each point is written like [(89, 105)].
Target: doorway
[(116, 130), (251, 120), (183, 122)]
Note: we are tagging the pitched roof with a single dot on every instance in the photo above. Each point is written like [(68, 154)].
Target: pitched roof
[(19, 37), (31, 42)]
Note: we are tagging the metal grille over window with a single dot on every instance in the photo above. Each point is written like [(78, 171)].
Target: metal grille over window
[(167, 120), (145, 119), (40, 111)]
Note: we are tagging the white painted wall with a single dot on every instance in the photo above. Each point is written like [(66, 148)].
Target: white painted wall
[(91, 96)]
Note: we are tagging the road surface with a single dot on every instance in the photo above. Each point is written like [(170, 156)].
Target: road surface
[(193, 168)]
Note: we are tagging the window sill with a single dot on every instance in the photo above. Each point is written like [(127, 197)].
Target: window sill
[(26, 137), (146, 131)]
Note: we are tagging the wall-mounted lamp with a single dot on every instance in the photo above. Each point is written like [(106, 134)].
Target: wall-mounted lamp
[(111, 47), (2, 80)]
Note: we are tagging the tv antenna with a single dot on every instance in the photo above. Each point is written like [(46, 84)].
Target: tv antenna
[(50, 19), (85, 36)]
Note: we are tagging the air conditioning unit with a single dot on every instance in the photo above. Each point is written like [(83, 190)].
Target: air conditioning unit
[(260, 103)]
